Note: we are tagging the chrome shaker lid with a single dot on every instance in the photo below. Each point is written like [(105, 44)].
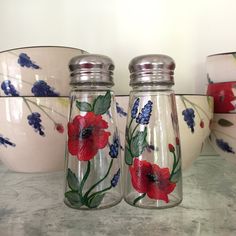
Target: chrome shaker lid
[(91, 69), (152, 69)]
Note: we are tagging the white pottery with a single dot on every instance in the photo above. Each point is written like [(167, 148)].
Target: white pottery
[(221, 67), (223, 135), (23, 67), (22, 148)]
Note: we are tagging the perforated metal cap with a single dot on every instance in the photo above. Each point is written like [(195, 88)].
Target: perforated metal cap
[(152, 69), (91, 69)]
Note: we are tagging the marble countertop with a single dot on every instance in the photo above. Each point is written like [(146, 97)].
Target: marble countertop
[(31, 205)]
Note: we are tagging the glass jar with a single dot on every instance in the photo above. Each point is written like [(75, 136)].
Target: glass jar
[(93, 166), (152, 152)]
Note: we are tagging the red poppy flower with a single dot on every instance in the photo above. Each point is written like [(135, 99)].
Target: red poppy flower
[(151, 179), (59, 128), (86, 135)]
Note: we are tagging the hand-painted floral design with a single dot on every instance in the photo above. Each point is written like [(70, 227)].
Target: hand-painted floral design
[(136, 140), (86, 135), (223, 95), (42, 89), (120, 111), (59, 128), (190, 112), (224, 146), (114, 148), (134, 110), (115, 179), (150, 179), (144, 116), (9, 88), (189, 116), (25, 61), (35, 121), (34, 118), (6, 142)]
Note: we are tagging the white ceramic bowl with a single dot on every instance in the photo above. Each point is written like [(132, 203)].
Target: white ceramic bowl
[(25, 148), (223, 135), (221, 67), (191, 140), (36, 71)]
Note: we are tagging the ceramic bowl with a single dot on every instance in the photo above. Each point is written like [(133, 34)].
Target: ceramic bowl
[(223, 135), (33, 133), (36, 71), (221, 67), (224, 95), (191, 138)]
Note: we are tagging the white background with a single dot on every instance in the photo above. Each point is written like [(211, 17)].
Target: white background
[(186, 30)]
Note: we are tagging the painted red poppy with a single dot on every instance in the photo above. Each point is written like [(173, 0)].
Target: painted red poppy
[(86, 135), (151, 179)]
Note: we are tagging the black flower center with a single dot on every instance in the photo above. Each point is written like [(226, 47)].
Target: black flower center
[(152, 177), (86, 132)]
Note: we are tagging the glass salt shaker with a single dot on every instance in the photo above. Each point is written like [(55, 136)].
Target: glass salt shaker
[(93, 165), (152, 152)]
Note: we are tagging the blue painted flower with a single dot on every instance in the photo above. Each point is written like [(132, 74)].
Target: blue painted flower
[(6, 141), (144, 116), (25, 61), (115, 179), (9, 88), (135, 108), (189, 116), (114, 148), (224, 146), (120, 110), (42, 89), (35, 121)]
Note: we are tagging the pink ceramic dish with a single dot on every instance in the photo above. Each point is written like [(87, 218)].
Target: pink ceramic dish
[(224, 95)]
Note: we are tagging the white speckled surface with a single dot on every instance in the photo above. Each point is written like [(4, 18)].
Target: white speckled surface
[(31, 205)]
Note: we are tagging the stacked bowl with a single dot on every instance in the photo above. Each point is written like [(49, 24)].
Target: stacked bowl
[(34, 89), (221, 74)]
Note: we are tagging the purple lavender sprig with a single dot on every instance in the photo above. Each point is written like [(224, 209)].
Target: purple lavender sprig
[(25, 61), (35, 121), (9, 88), (115, 179), (144, 116), (42, 89)]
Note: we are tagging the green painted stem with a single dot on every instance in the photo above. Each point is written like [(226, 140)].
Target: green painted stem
[(96, 184), (84, 179), (138, 198), (40, 107), (99, 192), (27, 104)]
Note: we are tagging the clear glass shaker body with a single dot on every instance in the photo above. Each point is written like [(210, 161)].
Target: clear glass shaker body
[(93, 167), (152, 173)]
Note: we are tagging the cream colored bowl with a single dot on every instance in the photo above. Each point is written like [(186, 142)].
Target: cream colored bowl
[(33, 143), (191, 139)]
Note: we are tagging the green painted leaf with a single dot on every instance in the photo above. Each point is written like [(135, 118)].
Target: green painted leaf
[(73, 198), (176, 176), (96, 200), (225, 123), (102, 103), (128, 157), (138, 143), (84, 106), (72, 180)]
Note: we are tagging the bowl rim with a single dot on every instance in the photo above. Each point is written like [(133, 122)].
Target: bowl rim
[(42, 46), (221, 54), (176, 94), (223, 82)]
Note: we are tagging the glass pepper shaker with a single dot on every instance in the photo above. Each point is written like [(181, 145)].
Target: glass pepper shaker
[(152, 152), (93, 165)]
